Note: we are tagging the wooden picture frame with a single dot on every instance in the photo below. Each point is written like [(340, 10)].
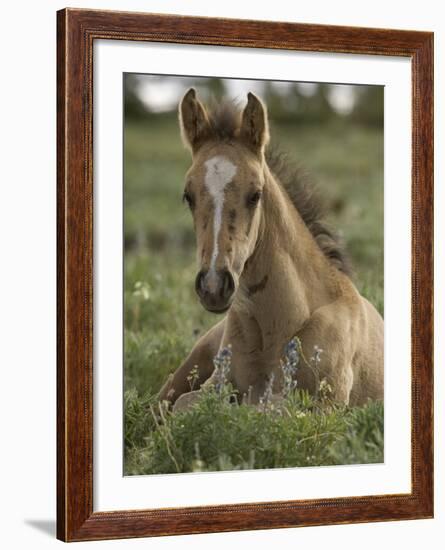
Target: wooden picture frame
[(76, 32)]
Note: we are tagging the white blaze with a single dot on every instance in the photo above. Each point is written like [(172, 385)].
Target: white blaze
[(220, 172)]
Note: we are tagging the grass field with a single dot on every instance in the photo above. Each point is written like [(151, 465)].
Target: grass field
[(163, 318)]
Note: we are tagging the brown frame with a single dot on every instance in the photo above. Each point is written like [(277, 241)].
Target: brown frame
[(76, 32)]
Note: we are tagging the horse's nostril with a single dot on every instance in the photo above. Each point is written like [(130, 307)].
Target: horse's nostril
[(215, 288), (228, 285), (199, 282)]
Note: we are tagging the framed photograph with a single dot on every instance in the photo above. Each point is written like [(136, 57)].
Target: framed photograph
[(245, 229)]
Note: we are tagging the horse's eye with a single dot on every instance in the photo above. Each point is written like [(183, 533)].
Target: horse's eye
[(189, 199), (253, 198)]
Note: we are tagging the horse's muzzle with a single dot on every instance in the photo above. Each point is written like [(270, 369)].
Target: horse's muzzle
[(215, 289)]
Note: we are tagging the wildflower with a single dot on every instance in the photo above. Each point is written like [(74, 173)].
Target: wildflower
[(325, 390), (289, 365), (317, 353), (141, 290), (193, 377), (222, 362)]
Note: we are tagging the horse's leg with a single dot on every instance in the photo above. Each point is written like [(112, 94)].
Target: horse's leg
[(335, 329), (201, 356)]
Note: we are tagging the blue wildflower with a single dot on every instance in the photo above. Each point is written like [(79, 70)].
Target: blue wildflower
[(289, 365), (222, 362)]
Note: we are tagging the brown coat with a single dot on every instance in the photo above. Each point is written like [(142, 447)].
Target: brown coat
[(263, 264)]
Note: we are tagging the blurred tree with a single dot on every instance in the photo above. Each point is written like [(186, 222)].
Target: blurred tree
[(368, 109), (215, 87), (134, 108), (315, 108), (294, 103)]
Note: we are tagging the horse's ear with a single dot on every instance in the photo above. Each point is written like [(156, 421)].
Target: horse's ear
[(194, 122), (254, 129)]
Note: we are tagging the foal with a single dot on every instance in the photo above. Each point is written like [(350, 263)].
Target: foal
[(268, 263)]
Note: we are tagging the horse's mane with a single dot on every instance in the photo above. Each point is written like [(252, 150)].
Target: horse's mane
[(225, 118), (307, 201)]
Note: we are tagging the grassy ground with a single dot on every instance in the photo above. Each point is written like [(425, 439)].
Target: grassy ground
[(216, 435), (163, 318)]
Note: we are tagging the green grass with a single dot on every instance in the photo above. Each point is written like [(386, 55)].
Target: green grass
[(163, 321), (163, 317), (216, 435)]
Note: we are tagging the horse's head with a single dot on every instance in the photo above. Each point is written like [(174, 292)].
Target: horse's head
[(223, 190)]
